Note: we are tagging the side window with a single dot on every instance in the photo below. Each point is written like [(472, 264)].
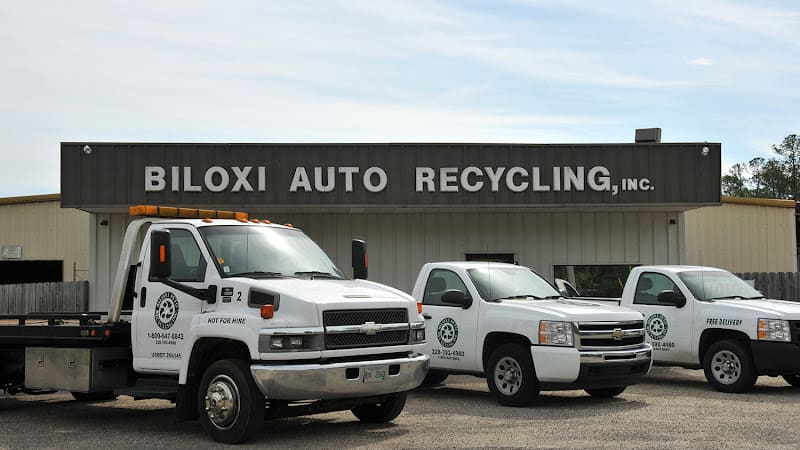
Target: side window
[(441, 280), (648, 287), (188, 263)]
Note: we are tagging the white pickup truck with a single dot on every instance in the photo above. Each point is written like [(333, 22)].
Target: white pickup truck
[(506, 323), (703, 317), (235, 320)]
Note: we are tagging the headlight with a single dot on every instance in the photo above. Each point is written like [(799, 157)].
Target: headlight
[(555, 333), (774, 330), (417, 333), (289, 343)]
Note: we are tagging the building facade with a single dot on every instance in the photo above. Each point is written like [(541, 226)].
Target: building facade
[(42, 242), (554, 208)]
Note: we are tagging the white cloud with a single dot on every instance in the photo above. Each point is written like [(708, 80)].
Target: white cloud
[(702, 62)]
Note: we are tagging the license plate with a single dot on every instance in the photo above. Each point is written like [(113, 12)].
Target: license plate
[(374, 374)]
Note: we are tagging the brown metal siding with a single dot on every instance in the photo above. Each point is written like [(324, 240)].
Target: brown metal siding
[(113, 174)]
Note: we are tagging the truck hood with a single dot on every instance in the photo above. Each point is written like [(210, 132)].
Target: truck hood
[(331, 291), (572, 310), (768, 308)]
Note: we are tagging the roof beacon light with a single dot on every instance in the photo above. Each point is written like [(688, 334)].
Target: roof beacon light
[(185, 213)]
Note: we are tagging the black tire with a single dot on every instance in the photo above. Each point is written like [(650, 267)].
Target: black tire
[(382, 412), (231, 408), (606, 392), (511, 376), (729, 367), (794, 380), (93, 396), (434, 377)]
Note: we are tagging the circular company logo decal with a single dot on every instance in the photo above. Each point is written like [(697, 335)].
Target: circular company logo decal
[(447, 332), (657, 326), (166, 310)]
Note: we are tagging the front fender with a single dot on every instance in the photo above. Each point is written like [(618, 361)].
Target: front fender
[(237, 327)]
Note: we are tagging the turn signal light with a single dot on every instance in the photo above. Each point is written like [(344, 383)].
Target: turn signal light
[(267, 311), (419, 307)]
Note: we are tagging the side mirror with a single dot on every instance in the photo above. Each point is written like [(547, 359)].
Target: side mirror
[(160, 255), (360, 259), (671, 298), (456, 297)]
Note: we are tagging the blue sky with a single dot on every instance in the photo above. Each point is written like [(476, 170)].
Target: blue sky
[(392, 71)]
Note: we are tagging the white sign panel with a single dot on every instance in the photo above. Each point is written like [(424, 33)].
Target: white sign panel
[(12, 252)]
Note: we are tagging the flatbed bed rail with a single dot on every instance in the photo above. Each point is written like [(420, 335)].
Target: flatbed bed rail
[(61, 329), (55, 318)]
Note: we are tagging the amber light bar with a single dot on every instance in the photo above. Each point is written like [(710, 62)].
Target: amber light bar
[(185, 213)]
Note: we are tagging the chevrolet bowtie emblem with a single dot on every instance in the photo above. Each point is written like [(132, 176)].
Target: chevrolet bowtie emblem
[(371, 328), (618, 334)]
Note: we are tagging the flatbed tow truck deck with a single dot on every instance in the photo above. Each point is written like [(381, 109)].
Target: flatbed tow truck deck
[(61, 329)]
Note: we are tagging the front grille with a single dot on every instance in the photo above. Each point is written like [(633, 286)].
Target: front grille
[(355, 338), (794, 329), (362, 316), (605, 371), (600, 335)]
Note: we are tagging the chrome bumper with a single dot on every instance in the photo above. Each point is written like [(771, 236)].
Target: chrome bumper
[(333, 381), (617, 356)]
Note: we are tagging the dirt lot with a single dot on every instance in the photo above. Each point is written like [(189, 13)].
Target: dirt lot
[(673, 408)]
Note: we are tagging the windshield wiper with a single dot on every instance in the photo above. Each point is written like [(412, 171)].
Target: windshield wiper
[(256, 273), (315, 274), (553, 297), (729, 297), (513, 297)]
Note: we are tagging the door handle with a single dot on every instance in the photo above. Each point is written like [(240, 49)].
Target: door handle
[(143, 299), (426, 316)]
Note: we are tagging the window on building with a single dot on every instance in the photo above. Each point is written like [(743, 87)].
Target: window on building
[(595, 280), (21, 272)]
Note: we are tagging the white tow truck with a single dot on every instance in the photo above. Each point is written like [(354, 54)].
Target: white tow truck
[(235, 320), (704, 317), (506, 323)]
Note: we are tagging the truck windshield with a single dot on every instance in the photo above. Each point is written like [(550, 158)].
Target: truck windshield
[(505, 283), (715, 285), (260, 252)]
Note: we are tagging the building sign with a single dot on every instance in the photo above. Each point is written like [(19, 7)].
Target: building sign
[(11, 252), (389, 174)]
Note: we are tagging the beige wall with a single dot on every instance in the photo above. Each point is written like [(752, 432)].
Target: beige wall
[(740, 237), (47, 232), (400, 243)]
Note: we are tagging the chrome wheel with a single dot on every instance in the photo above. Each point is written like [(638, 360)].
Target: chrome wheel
[(726, 367), (507, 375), (222, 402)]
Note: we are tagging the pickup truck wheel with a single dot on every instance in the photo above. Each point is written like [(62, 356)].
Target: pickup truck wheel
[(434, 377), (93, 396), (511, 376), (231, 406), (382, 412), (606, 392), (794, 380), (729, 367)]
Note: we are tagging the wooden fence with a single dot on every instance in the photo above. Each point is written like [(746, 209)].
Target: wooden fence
[(70, 296), (778, 285)]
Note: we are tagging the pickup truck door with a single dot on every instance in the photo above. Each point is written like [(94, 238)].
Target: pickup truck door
[(668, 328), (451, 328), (162, 315)]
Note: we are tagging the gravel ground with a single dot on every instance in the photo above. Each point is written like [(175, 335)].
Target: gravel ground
[(673, 408)]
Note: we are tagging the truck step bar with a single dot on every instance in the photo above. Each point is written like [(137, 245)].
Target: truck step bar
[(163, 388)]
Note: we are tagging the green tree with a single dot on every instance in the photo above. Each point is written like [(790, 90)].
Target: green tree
[(776, 177)]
